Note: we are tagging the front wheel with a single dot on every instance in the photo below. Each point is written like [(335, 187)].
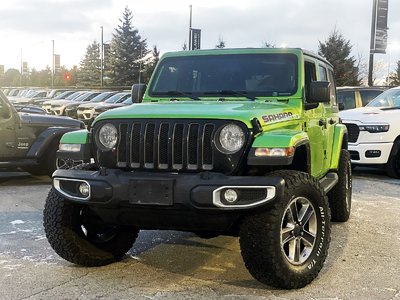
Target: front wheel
[(340, 195), (79, 236), (286, 245), (393, 164)]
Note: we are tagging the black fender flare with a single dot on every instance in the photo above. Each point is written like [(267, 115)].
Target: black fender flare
[(47, 138)]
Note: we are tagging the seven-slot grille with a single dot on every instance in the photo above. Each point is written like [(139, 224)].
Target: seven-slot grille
[(353, 132), (166, 145)]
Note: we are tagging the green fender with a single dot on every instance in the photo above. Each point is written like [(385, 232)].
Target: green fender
[(280, 139), (76, 137), (338, 137)]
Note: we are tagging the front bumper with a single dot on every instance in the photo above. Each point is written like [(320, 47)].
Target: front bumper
[(371, 153), (168, 201)]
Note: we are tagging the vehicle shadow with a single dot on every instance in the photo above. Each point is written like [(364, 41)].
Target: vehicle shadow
[(18, 178)]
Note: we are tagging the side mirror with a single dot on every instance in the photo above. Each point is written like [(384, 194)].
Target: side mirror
[(137, 92), (319, 92), (341, 106)]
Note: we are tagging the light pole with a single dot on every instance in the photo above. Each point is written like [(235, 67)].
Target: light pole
[(22, 69), (190, 28), (52, 69), (101, 58)]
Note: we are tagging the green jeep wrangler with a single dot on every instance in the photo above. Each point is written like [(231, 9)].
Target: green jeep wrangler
[(240, 142)]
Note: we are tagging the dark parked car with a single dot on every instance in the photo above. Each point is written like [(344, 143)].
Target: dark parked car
[(86, 111)]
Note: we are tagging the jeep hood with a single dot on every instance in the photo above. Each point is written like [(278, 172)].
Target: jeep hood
[(48, 121), (266, 112), (371, 115)]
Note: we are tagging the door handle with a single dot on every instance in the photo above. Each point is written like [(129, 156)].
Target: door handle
[(322, 122)]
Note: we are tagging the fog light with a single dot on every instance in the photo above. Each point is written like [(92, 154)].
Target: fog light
[(230, 195), (84, 189), (373, 153)]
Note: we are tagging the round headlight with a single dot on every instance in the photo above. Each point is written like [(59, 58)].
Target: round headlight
[(231, 138), (108, 136)]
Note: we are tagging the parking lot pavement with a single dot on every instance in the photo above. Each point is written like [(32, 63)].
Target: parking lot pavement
[(363, 261)]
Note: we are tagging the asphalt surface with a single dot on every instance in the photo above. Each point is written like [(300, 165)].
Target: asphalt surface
[(363, 261)]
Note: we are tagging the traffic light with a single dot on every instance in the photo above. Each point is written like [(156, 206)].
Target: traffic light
[(67, 76)]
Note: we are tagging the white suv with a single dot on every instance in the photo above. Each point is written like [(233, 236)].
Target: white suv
[(374, 132)]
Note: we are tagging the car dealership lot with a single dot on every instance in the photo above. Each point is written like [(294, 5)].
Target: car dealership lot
[(363, 260)]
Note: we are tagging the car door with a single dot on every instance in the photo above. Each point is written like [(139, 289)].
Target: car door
[(331, 115), (7, 130), (314, 124)]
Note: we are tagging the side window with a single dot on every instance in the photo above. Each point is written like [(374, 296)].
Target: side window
[(322, 73), (331, 80), (347, 98), (309, 76)]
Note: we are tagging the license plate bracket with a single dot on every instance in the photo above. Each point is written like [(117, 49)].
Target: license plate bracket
[(152, 191)]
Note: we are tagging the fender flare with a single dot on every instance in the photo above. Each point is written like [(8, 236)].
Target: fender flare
[(45, 139), (339, 142), (280, 139)]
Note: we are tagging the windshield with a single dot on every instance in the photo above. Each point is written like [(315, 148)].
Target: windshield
[(116, 97), (389, 98), (63, 95), (101, 97), (128, 101), (234, 75)]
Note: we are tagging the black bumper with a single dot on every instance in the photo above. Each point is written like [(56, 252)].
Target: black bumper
[(168, 201)]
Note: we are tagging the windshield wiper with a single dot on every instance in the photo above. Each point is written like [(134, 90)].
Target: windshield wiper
[(390, 108), (177, 93), (231, 92)]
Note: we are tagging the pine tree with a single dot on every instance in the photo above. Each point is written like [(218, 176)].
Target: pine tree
[(394, 78), (90, 66), (150, 66), (126, 53), (269, 44), (337, 50), (221, 43)]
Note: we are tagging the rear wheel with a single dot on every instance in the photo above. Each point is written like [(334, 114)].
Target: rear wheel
[(286, 245)]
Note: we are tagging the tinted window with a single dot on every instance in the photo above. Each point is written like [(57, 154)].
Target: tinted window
[(368, 95), (322, 73), (347, 98), (310, 76), (332, 87), (256, 74)]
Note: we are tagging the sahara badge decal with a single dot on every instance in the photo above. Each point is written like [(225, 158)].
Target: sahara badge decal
[(278, 117)]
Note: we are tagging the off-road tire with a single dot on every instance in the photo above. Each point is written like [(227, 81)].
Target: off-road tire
[(63, 228), (393, 165), (340, 195), (261, 235)]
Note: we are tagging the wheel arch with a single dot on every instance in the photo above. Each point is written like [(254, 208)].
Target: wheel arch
[(47, 138), (340, 141), (298, 140)]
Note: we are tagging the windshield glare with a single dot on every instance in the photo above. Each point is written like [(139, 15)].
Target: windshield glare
[(389, 98), (234, 75), (115, 98)]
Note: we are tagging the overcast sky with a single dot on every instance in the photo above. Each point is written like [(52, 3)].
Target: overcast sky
[(73, 24)]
